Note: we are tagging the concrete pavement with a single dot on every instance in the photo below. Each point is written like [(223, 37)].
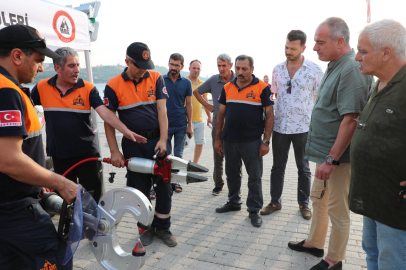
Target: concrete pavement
[(209, 240)]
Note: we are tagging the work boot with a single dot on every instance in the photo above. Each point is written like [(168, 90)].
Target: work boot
[(147, 237), (167, 237)]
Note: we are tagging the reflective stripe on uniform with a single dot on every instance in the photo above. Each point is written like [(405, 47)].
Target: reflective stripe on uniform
[(162, 216), (136, 105), (245, 102), (33, 134), (66, 110)]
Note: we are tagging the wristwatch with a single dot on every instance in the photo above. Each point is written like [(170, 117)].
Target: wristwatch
[(330, 161), (265, 142)]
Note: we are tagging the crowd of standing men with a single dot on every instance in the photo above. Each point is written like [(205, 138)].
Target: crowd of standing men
[(319, 114)]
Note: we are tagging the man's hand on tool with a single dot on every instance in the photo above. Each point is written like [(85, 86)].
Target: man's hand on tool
[(161, 145), (117, 159), (68, 190)]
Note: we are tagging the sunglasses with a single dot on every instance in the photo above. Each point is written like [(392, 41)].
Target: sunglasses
[(322, 192), (31, 42), (289, 84)]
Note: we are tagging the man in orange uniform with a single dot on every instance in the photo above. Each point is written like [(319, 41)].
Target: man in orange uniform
[(67, 102)]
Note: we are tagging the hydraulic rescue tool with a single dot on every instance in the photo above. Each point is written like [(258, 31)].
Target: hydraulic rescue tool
[(98, 223)]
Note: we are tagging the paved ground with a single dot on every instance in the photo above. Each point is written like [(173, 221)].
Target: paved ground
[(208, 240)]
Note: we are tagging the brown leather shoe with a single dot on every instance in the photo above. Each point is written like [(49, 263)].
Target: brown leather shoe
[(269, 209), (306, 212)]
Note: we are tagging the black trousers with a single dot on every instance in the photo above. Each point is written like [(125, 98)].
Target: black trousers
[(88, 174), (143, 182), (28, 240)]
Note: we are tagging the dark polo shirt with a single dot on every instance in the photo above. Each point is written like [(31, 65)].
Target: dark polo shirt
[(68, 117), (18, 118), (244, 114), (378, 150)]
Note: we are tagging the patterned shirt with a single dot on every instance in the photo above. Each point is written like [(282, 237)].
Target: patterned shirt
[(293, 111)]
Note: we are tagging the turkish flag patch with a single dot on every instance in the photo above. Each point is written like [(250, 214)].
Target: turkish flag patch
[(10, 118), (106, 101)]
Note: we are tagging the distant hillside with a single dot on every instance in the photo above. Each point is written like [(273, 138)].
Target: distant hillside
[(101, 74)]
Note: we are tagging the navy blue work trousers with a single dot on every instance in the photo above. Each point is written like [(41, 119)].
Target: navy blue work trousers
[(143, 182), (28, 240), (248, 152)]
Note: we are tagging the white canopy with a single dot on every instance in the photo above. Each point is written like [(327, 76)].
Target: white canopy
[(61, 26)]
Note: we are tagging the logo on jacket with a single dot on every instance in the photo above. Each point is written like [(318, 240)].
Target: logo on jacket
[(79, 101), (64, 26), (49, 266), (106, 101), (164, 91), (251, 95), (219, 97), (10, 118), (151, 92)]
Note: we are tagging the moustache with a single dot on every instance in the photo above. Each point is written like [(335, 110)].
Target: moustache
[(173, 70), (240, 76), (75, 75)]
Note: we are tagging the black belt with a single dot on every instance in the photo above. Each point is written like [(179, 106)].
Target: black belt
[(150, 134)]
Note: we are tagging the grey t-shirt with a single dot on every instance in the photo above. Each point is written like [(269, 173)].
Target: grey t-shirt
[(342, 90), (214, 85)]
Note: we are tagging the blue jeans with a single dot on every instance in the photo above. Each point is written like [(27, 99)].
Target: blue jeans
[(248, 152), (385, 246), (178, 133), (280, 151)]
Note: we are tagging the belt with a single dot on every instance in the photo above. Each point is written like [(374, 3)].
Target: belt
[(150, 134)]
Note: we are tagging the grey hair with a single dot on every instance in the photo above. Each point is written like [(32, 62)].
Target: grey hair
[(338, 28), (224, 57), (64, 52), (387, 33)]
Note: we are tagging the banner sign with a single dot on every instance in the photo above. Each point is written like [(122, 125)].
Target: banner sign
[(61, 26)]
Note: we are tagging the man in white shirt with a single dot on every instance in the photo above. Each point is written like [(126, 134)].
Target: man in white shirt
[(295, 81)]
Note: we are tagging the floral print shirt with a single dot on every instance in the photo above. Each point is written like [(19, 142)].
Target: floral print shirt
[(293, 111)]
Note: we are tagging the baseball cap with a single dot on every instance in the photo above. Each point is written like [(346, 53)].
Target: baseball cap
[(141, 54), (23, 37)]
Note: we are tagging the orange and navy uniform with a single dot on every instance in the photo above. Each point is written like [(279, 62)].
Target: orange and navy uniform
[(136, 101), (18, 118), (68, 117), (244, 114)]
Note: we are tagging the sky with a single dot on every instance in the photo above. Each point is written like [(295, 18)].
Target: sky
[(204, 29)]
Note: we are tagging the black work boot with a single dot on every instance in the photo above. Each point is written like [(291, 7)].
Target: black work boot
[(166, 236)]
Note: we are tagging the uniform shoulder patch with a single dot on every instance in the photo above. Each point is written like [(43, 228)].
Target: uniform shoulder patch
[(10, 118)]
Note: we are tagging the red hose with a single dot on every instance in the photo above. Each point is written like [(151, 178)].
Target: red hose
[(77, 164), (106, 160)]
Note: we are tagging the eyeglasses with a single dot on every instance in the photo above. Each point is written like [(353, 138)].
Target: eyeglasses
[(322, 192), (173, 65), (30, 42), (289, 84)]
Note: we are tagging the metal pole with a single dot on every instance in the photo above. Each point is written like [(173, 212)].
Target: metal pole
[(93, 112)]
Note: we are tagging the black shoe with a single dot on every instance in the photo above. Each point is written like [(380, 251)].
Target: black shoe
[(323, 265), (166, 236), (298, 246), (217, 190), (256, 220), (228, 207)]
